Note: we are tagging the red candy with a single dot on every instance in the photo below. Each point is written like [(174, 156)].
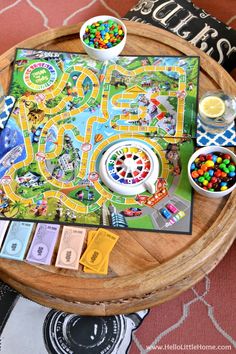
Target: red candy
[(202, 158), (214, 179), (218, 173), (227, 156), (208, 157)]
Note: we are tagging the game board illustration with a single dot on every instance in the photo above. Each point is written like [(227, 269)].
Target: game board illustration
[(97, 143)]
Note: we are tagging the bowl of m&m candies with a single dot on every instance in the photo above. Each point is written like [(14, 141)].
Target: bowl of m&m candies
[(212, 171), (103, 37)]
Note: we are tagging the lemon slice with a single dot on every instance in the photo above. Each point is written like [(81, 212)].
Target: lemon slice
[(212, 106)]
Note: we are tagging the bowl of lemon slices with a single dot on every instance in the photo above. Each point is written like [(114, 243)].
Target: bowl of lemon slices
[(217, 111)]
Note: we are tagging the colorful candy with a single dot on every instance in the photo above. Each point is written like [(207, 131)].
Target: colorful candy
[(103, 34), (214, 172)]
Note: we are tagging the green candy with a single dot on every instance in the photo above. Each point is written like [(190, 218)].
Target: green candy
[(206, 174), (86, 41), (110, 23), (226, 170), (226, 161), (222, 166), (211, 189), (201, 179), (208, 178), (231, 168)]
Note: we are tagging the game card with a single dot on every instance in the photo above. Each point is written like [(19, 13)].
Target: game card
[(43, 244), (3, 228), (17, 239), (104, 268), (99, 249), (71, 244)]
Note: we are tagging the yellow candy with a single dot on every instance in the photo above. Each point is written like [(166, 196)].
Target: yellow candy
[(120, 32), (223, 188), (105, 41), (205, 182), (219, 160), (209, 163)]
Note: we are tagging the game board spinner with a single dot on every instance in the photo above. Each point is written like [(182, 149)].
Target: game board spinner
[(97, 143)]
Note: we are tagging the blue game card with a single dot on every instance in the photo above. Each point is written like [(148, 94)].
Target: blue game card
[(17, 239)]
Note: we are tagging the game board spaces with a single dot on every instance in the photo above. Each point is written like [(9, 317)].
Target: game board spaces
[(100, 143)]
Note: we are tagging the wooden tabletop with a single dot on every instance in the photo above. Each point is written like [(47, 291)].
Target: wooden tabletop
[(146, 269)]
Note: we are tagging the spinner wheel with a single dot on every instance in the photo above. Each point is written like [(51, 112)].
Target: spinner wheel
[(129, 167)]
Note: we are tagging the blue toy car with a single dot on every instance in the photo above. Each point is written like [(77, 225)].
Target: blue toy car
[(164, 212)]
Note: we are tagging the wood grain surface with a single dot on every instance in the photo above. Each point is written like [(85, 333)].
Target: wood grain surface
[(146, 269)]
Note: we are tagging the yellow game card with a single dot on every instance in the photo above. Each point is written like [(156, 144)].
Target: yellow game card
[(104, 268), (98, 250)]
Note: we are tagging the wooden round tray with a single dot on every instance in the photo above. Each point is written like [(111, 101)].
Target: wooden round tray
[(146, 268)]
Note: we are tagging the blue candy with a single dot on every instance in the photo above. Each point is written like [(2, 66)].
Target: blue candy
[(231, 174), (223, 184), (214, 158), (193, 166), (211, 172)]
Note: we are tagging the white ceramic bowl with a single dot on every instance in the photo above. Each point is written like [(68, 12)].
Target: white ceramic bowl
[(108, 53), (204, 151)]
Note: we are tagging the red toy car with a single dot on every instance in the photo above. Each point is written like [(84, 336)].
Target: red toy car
[(132, 212), (171, 208)]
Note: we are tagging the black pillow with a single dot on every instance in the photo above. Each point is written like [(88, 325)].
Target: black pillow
[(186, 20)]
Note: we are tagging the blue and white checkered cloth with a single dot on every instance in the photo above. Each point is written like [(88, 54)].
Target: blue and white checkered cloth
[(9, 104), (228, 138)]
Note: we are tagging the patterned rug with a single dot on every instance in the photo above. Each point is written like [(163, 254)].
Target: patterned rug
[(200, 320), (17, 25)]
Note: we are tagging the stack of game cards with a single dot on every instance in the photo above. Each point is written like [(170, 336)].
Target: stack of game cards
[(99, 246), (15, 243)]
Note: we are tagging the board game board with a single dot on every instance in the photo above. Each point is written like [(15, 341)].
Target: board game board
[(97, 143)]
